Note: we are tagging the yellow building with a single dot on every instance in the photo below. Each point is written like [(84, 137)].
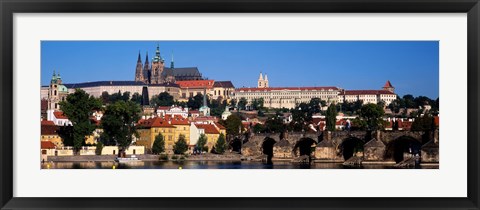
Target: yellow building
[(49, 132), (182, 126), (212, 132), (150, 128)]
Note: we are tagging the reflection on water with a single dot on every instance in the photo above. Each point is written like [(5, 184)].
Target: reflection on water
[(207, 165)]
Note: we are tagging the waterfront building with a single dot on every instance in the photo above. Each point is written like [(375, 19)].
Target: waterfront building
[(182, 126), (148, 129), (210, 130), (49, 132), (47, 149)]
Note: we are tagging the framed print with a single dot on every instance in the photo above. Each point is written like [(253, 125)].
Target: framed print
[(239, 105)]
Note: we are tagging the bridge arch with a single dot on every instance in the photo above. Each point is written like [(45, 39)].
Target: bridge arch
[(236, 144), (349, 146), (304, 146), (267, 148), (403, 145)]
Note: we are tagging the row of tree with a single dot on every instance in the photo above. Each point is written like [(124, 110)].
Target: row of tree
[(180, 146), (118, 121)]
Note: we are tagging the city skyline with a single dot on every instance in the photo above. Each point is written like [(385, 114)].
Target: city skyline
[(411, 66)]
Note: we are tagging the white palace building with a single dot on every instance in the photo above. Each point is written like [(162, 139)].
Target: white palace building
[(289, 97)]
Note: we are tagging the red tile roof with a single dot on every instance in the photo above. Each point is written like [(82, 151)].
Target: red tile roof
[(289, 88), (49, 130), (155, 122), (177, 120), (206, 118), (164, 107), (209, 128), (47, 145), (219, 126), (59, 115), (196, 83), (47, 122), (388, 84), (365, 92)]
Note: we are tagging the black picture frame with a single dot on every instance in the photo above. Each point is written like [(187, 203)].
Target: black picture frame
[(10, 7)]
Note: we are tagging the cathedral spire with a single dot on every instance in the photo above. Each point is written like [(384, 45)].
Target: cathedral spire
[(139, 59), (158, 57), (261, 76), (172, 65), (146, 58)]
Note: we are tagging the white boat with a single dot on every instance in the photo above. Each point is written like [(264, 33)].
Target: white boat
[(133, 158)]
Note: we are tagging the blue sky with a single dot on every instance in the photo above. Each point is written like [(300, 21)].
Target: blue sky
[(411, 66)]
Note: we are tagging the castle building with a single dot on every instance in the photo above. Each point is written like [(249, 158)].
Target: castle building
[(387, 95), (289, 97), (157, 73)]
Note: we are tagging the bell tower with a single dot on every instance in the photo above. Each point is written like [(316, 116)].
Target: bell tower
[(261, 82), (157, 67)]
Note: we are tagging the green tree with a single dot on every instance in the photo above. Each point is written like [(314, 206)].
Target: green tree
[(180, 146), (423, 123), (233, 103), (409, 101), (137, 98), (202, 141), (221, 144), (233, 124), (118, 123), (257, 104), (274, 124), (78, 107), (195, 102), (331, 117), (242, 103), (258, 128), (158, 145), (162, 99), (372, 114), (105, 97), (99, 148), (315, 105)]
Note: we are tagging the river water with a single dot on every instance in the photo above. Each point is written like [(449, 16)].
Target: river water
[(209, 165)]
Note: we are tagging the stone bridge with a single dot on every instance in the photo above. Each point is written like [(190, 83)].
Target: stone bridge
[(339, 146)]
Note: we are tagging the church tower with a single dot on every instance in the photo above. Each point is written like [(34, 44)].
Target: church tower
[(157, 67), (146, 70), (139, 69), (261, 82), (57, 92), (265, 81), (388, 86)]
